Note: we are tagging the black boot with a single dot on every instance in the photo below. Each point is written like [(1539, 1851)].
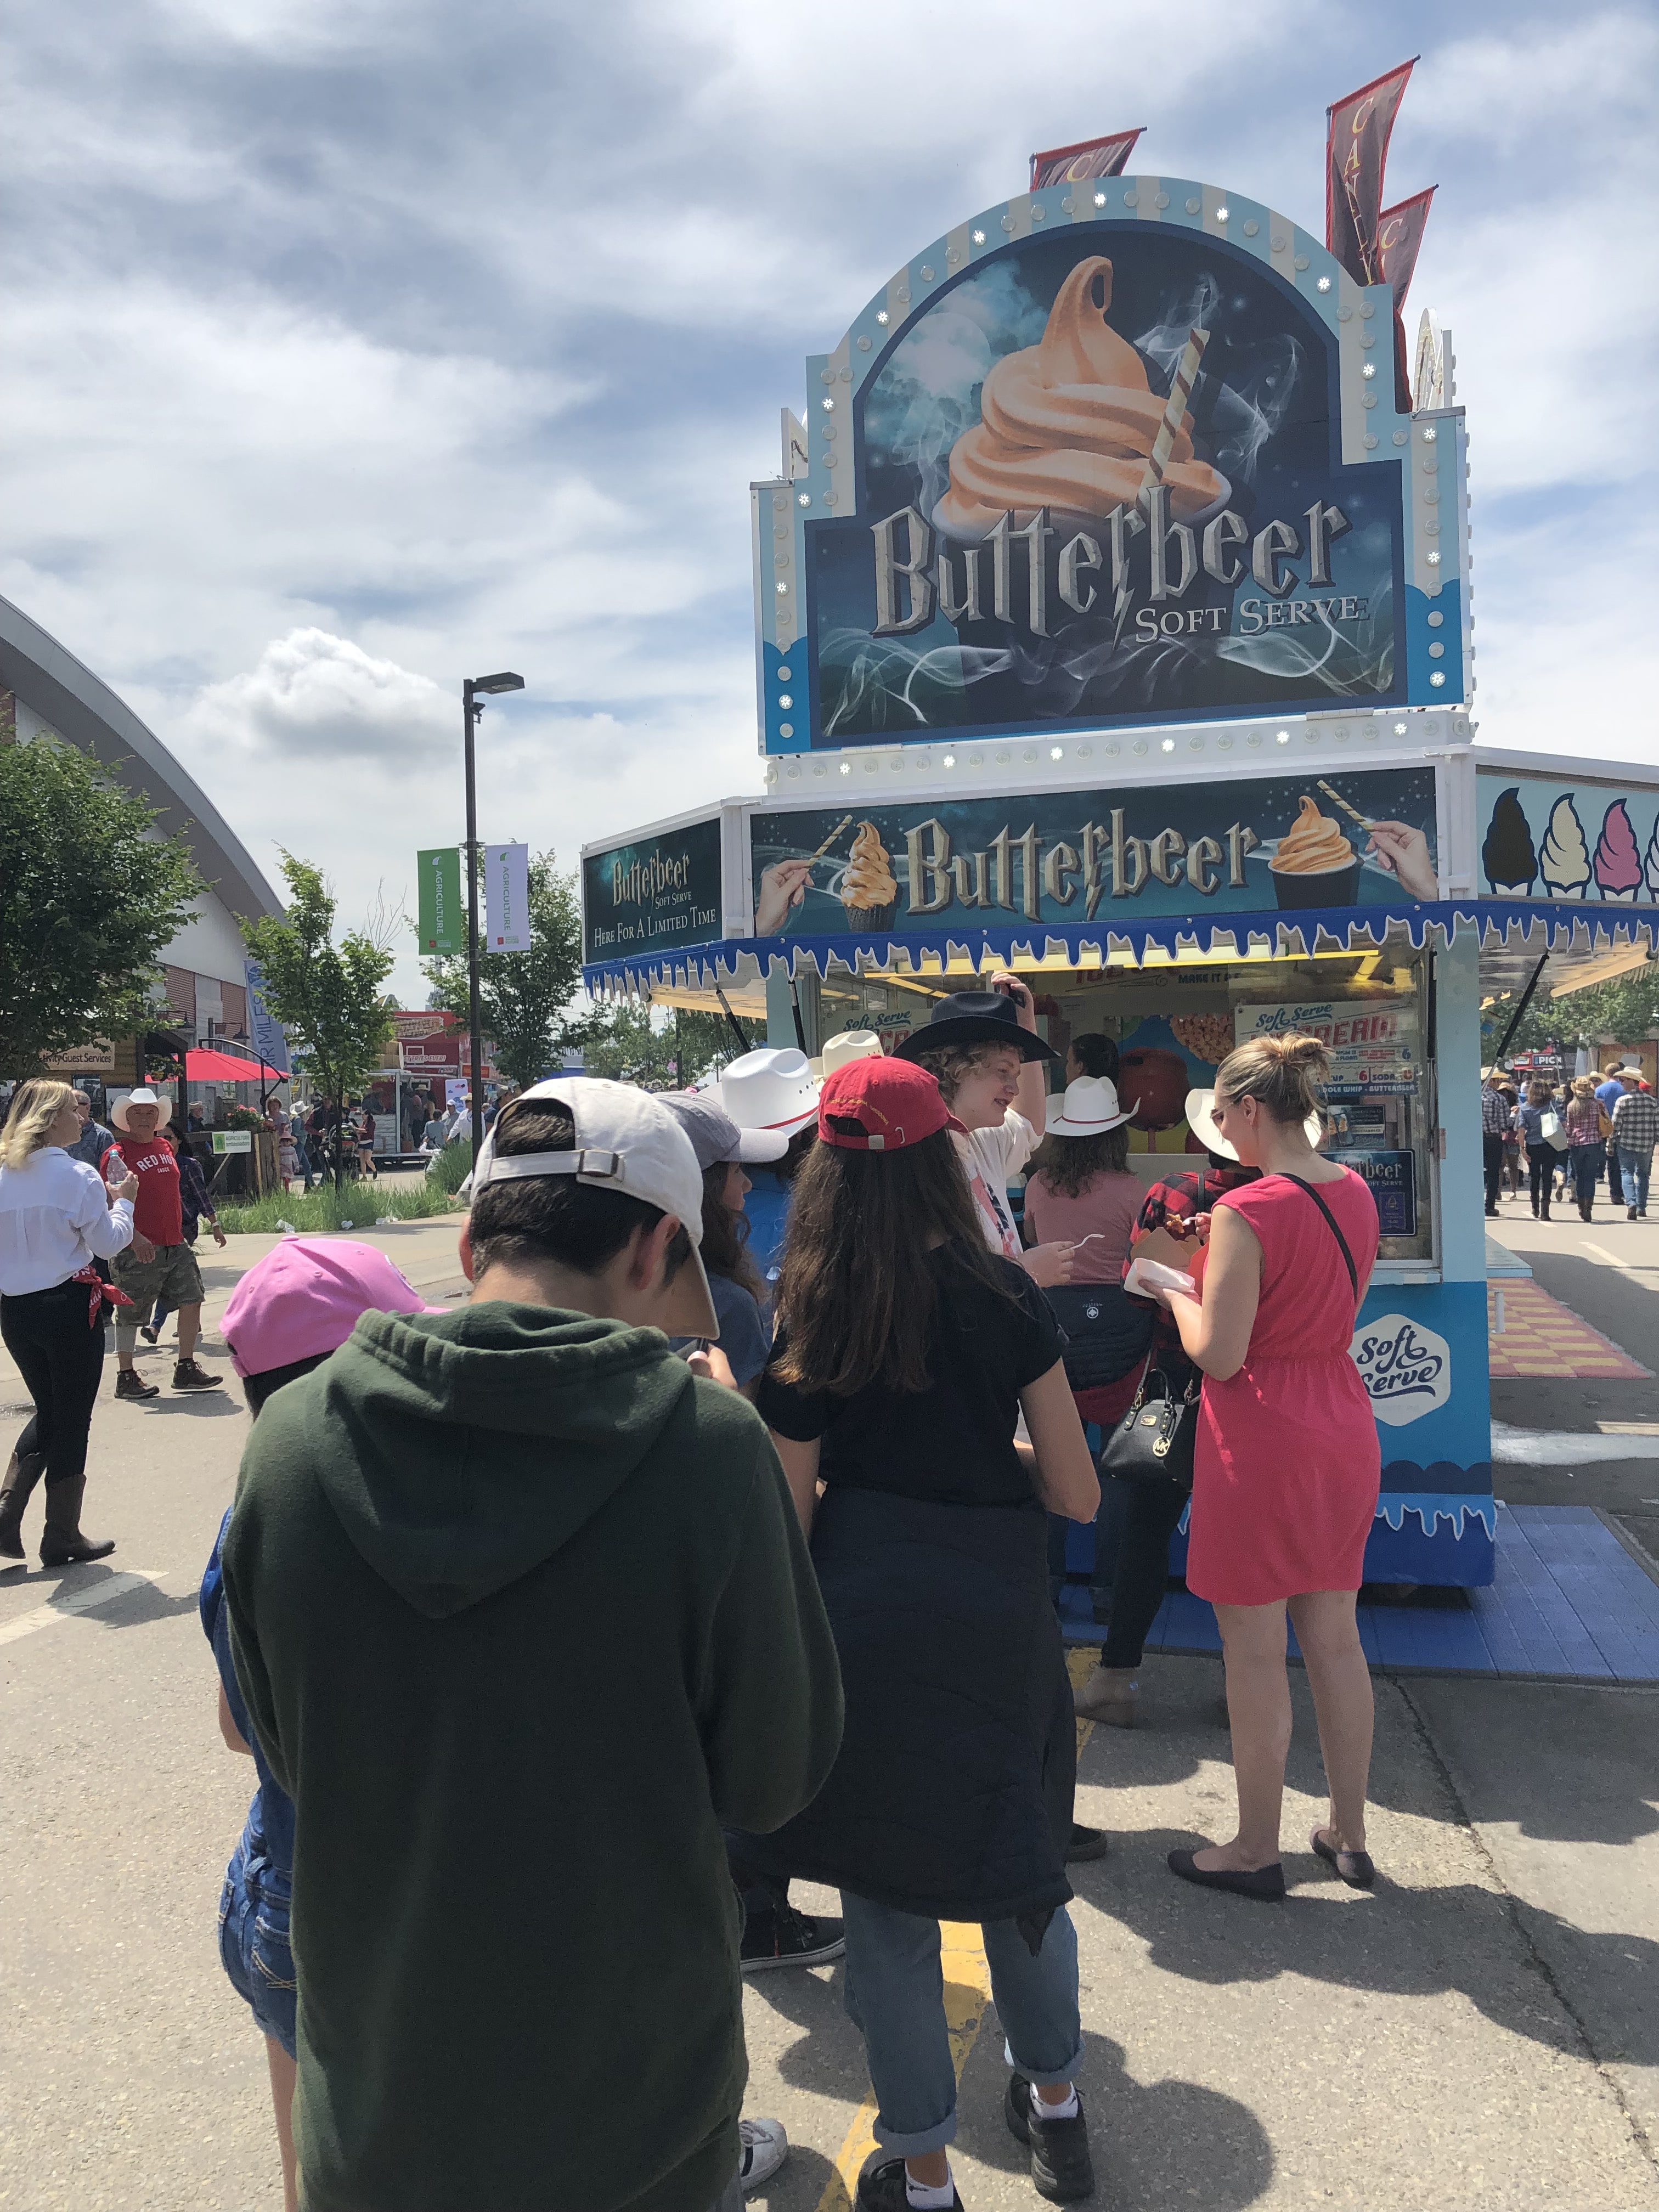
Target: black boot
[(18, 1487), (62, 1543)]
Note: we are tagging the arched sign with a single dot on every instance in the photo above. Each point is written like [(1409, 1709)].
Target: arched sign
[(1120, 454)]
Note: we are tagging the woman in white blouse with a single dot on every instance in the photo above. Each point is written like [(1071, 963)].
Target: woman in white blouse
[(56, 1218)]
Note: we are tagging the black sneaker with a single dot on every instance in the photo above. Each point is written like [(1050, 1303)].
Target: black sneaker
[(130, 1384), (788, 1938), (1086, 1844), (1061, 2168), (881, 2189)]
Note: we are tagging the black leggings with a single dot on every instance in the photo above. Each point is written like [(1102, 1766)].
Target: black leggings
[(1540, 1175), (1132, 1558), (61, 1361)]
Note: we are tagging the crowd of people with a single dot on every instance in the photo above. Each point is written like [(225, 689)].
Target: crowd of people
[(1567, 1136), (711, 1546)]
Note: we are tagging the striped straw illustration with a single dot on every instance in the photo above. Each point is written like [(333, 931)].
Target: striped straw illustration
[(1180, 391)]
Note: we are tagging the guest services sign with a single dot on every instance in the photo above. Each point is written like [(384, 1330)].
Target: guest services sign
[(1115, 453)]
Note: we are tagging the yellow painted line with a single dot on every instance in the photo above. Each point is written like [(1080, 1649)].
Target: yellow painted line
[(967, 1999)]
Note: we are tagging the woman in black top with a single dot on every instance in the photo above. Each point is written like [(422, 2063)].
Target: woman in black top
[(905, 1354)]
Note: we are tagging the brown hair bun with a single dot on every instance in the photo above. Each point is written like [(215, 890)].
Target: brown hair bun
[(1285, 1075)]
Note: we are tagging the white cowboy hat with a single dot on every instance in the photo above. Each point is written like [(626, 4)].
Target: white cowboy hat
[(1200, 1119), (1089, 1109), (144, 1096), (770, 1089), (848, 1044)]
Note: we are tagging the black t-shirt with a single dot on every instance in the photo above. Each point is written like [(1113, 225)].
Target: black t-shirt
[(953, 1442)]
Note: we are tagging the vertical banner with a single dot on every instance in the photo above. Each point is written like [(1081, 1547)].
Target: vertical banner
[(507, 898), (1399, 239), (1082, 163), (1356, 154), (441, 926), (270, 1038)]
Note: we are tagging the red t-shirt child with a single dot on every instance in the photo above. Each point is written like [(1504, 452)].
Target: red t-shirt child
[(159, 1212)]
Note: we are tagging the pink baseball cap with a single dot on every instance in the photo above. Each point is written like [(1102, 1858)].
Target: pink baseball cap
[(304, 1298)]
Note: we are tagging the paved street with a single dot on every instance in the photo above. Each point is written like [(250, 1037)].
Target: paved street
[(1482, 2030)]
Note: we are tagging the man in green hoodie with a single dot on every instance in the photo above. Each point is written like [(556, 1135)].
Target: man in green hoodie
[(523, 1618)]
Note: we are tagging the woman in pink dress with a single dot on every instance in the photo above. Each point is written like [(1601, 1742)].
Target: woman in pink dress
[(1287, 1467)]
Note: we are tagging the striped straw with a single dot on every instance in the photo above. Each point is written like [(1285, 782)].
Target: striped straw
[(1180, 391)]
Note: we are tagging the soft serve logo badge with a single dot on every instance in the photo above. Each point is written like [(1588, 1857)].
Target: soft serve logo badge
[(1405, 1368)]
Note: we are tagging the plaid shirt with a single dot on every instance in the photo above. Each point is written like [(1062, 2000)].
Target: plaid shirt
[(1169, 1205), (1635, 1122), (1494, 1113)]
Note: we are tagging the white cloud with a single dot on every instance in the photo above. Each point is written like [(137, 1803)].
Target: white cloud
[(317, 699)]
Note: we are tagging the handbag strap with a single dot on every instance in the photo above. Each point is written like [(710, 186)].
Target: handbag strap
[(1347, 1256)]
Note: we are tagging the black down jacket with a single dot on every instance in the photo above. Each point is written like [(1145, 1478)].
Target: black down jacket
[(952, 1796)]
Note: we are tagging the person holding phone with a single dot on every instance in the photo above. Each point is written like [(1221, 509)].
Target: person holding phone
[(55, 1220), (1287, 1466)]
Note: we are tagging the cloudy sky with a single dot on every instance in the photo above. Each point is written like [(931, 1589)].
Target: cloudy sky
[(352, 348)]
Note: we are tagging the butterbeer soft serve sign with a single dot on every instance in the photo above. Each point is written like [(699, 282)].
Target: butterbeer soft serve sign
[(1123, 458), (659, 891)]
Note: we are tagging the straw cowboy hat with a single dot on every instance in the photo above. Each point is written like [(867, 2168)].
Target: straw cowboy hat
[(1089, 1109), (1200, 1119), (770, 1089), (848, 1044), (142, 1097)]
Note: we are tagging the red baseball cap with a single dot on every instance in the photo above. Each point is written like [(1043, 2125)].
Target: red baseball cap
[(882, 1105)]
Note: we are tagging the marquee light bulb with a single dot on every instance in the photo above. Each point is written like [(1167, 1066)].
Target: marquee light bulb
[(950, 760), (1100, 199), (1222, 213)]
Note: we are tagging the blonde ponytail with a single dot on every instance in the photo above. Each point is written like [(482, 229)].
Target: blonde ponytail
[(1285, 1075), (35, 1106)]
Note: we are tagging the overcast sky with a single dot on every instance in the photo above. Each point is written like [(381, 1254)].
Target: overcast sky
[(351, 347)]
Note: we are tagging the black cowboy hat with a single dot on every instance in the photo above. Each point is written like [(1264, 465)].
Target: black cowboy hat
[(974, 1018)]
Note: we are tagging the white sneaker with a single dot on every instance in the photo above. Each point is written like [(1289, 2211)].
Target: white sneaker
[(765, 2147)]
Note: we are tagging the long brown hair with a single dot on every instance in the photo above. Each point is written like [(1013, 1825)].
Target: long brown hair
[(725, 1235), (1069, 1165), (856, 1294)]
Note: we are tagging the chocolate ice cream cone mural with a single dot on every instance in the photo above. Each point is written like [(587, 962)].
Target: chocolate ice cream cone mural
[(1072, 424), (1618, 862), (869, 888), (1565, 861), (1508, 855), (1315, 865)]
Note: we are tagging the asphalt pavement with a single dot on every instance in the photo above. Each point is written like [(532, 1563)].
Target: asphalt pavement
[(1482, 2030)]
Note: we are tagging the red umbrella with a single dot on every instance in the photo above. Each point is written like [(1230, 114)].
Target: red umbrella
[(205, 1067)]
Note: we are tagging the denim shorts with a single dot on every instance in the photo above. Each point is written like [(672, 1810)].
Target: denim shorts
[(253, 1910)]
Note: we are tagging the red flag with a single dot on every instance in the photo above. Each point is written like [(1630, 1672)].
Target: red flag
[(1398, 236), (1082, 163), (1356, 155)]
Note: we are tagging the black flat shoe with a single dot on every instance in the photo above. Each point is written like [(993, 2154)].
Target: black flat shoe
[(1086, 1844), (1355, 1867), (1266, 1884)]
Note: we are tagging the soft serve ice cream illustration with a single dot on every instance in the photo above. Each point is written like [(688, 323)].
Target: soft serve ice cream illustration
[(1069, 424), (1507, 855), (1618, 862), (1315, 865), (1564, 860), (869, 888)]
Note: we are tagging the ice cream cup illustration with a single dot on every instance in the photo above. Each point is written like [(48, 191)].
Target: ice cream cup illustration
[(869, 888), (1315, 865)]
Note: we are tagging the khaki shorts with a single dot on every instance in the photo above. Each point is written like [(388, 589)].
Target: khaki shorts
[(173, 1276)]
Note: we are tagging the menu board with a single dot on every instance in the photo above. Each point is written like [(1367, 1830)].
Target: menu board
[(1374, 1044)]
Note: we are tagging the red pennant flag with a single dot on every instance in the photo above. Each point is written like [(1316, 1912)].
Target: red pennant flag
[(1399, 237), (1357, 153), (1083, 163)]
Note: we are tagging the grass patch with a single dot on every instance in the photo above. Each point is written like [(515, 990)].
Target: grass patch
[(358, 1205), (452, 1167)]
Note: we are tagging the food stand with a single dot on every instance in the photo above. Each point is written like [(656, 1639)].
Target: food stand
[(1114, 627)]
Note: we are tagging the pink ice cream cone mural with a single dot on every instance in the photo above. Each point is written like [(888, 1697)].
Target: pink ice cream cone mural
[(1650, 866), (1618, 862)]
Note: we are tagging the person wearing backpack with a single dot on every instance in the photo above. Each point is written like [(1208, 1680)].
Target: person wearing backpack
[(1287, 1465)]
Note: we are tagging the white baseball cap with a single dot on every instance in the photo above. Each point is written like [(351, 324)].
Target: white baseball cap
[(770, 1089), (627, 1141)]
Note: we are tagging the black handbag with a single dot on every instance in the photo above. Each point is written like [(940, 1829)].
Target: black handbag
[(1107, 1332), (1155, 1440)]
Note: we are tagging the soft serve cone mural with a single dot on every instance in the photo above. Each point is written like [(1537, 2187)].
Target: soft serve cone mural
[(1564, 861), (1507, 854), (1618, 862), (1535, 845)]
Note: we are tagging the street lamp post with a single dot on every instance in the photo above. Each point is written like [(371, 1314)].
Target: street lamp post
[(473, 691)]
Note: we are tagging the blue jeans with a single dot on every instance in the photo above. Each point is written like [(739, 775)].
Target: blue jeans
[(1636, 1168), (253, 1943), (896, 1998)]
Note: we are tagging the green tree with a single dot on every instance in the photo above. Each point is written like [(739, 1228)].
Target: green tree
[(89, 897), (329, 996), (524, 998), (671, 1047), (1624, 1006)]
